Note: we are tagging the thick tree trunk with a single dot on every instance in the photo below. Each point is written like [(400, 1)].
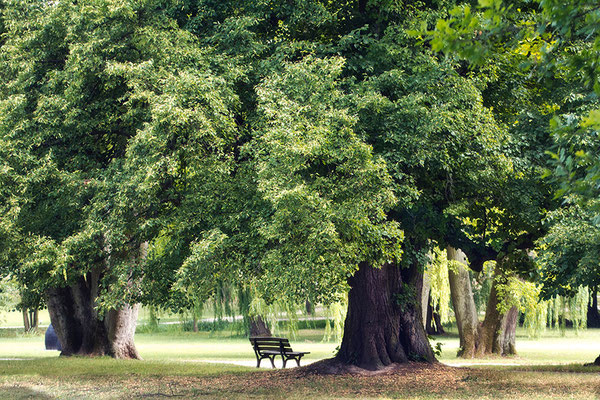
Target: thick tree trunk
[(81, 331), (463, 303), (593, 316), (383, 323), (258, 327), (79, 327), (120, 326)]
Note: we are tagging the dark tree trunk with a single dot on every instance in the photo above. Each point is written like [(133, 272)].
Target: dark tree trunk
[(309, 307), (34, 318), (383, 324), (26, 323), (30, 319), (593, 316), (433, 326), (258, 327), (194, 323), (79, 327)]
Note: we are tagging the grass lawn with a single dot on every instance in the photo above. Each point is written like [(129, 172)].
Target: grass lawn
[(175, 365)]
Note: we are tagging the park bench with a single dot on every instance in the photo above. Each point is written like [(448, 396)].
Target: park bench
[(270, 347)]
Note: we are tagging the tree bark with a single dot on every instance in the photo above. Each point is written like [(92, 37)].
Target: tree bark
[(35, 318), (498, 331), (120, 325), (258, 327), (463, 303), (508, 333), (26, 324), (425, 298), (79, 327), (309, 307), (593, 316), (82, 331), (383, 323), (433, 326), (195, 323)]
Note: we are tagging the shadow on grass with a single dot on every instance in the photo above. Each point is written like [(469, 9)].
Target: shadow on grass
[(18, 393), (565, 368)]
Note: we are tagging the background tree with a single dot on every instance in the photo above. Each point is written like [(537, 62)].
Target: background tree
[(558, 43), (70, 110)]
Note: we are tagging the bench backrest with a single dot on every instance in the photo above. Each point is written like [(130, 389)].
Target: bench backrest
[(261, 344)]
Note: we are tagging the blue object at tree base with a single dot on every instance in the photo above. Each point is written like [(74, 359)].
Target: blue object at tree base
[(51, 340)]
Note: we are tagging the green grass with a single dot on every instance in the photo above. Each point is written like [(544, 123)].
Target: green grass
[(551, 348), (178, 364)]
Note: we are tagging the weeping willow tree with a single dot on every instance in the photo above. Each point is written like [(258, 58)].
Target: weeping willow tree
[(335, 315), (437, 305), (538, 314)]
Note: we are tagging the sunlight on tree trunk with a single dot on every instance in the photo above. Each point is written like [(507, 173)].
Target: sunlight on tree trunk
[(463, 302)]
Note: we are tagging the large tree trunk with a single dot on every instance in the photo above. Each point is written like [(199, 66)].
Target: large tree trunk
[(463, 303), (82, 331), (258, 327), (593, 316), (79, 327), (75, 320), (383, 324)]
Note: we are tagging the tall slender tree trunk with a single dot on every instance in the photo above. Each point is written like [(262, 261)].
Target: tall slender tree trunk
[(195, 323), (383, 323), (425, 298), (26, 323), (30, 319), (463, 303), (433, 326), (497, 333), (508, 336)]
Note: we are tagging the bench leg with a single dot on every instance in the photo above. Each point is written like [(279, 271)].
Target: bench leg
[(258, 362), (284, 361), (298, 360), (272, 361)]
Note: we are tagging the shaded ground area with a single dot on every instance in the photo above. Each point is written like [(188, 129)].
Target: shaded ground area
[(413, 381)]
